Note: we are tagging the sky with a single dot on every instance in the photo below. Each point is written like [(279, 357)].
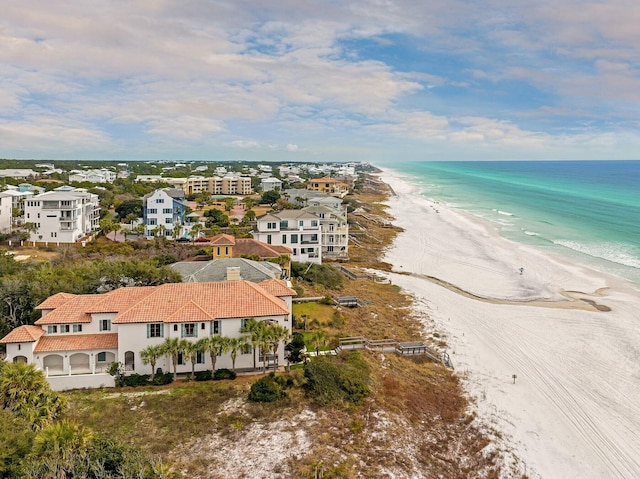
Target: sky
[(304, 80)]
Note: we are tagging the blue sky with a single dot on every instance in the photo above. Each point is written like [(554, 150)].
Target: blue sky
[(304, 80)]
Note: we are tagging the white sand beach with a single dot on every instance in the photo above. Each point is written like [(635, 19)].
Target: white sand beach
[(574, 410)]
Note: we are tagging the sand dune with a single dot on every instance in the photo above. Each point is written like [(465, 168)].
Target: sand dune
[(570, 335)]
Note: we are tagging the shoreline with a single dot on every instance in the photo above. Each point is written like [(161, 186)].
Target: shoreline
[(569, 334)]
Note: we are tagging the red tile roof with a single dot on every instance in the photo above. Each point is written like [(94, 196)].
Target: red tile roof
[(249, 246), (76, 342), (55, 301), (277, 287), (74, 310), (121, 299), (23, 334), (203, 301)]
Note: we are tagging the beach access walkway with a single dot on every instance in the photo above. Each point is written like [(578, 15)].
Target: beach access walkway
[(410, 348)]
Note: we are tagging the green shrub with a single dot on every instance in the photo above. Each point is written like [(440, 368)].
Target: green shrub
[(161, 378), (295, 348), (341, 381), (326, 300), (267, 389), (318, 273), (132, 380), (224, 374), (203, 375)]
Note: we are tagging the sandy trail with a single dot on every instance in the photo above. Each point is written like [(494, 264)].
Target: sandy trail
[(574, 410)]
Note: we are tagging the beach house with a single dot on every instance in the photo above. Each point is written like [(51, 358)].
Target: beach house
[(163, 210), (79, 336)]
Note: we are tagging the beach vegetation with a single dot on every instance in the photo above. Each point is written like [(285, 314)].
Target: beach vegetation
[(337, 382)]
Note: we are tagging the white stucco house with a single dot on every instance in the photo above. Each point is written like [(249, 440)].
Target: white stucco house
[(295, 229), (270, 184), (65, 215), (163, 210), (79, 336), (6, 204)]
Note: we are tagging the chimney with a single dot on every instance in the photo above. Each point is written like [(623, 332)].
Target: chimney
[(233, 273)]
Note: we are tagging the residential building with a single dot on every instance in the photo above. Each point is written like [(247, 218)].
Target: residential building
[(228, 185), (79, 336), (296, 229), (64, 215), (150, 178), (6, 206), (226, 246), (334, 236), (329, 185), (270, 184), (102, 175), (18, 197), (18, 173), (163, 210), (227, 269)]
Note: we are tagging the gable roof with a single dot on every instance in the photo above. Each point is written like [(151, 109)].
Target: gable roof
[(55, 301), (73, 311), (23, 334), (77, 342), (222, 240)]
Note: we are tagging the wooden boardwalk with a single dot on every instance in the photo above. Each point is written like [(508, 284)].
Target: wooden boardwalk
[(391, 345)]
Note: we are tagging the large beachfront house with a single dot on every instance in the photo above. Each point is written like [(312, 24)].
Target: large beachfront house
[(79, 336), (64, 215)]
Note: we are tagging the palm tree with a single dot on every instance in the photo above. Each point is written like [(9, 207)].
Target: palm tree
[(150, 355), (177, 229), (172, 347), (192, 350), (234, 345), (318, 338), (60, 446), (195, 229), (215, 345), (255, 330), (277, 334), (24, 390)]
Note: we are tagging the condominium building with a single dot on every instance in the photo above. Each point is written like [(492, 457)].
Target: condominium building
[(227, 185), (297, 229), (64, 215)]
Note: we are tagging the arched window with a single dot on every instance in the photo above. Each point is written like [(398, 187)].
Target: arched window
[(129, 361)]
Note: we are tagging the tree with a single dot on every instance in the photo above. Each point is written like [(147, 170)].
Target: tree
[(150, 355), (229, 203), (195, 229), (277, 334), (270, 197), (234, 345), (249, 216), (248, 202), (173, 347), (60, 447), (177, 229), (25, 392), (318, 339), (129, 207), (256, 331), (191, 350), (214, 345)]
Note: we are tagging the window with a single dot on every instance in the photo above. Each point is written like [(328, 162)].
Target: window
[(64, 328), (314, 237), (175, 327), (199, 357), (314, 222), (189, 330), (181, 359), (77, 328), (155, 330), (105, 325), (295, 251), (215, 327), (160, 200), (102, 357), (152, 221), (268, 239), (284, 224), (226, 250), (271, 226), (294, 238), (245, 349), (284, 239), (301, 223), (52, 329), (152, 211), (167, 211)]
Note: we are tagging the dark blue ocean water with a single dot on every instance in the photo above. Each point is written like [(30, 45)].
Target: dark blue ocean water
[(587, 210)]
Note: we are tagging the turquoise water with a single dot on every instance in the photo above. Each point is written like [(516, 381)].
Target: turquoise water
[(587, 210)]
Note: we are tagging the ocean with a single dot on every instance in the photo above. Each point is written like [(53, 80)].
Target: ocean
[(588, 211)]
